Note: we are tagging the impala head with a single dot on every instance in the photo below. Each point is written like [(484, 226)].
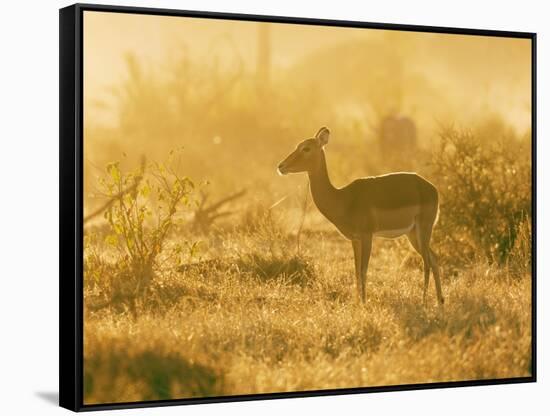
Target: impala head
[(307, 155)]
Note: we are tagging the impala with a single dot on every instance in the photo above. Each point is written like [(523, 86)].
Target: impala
[(381, 206)]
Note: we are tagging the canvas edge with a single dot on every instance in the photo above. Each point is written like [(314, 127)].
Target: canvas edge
[(303, 20), (534, 206), (70, 210)]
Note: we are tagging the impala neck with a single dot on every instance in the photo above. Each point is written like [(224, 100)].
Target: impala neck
[(322, 190)]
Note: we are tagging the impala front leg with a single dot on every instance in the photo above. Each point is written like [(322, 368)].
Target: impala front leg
[(357, 257), (366, 246)]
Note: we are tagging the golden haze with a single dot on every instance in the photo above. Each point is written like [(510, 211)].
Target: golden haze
[(184, 298)]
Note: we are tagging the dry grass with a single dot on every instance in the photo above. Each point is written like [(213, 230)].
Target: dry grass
[(226, 329)]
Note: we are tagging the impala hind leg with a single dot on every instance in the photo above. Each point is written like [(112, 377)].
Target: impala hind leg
[(435, 267), (413, 239), (424, 235)]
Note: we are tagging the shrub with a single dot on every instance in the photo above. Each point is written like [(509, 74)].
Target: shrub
[(144, 206), (485, 192)]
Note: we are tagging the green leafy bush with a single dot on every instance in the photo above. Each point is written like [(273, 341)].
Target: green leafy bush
[(144, 204)]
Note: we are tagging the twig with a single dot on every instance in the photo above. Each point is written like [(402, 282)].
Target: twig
[(119, 195), (205, 216), (110, 202)]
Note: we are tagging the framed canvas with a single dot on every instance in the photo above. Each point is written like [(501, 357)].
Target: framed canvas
[(255, 207)]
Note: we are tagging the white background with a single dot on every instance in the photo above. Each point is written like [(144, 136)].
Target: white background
[(29, 205)]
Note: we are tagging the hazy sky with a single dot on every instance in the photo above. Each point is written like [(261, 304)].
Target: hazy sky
[(109, 36), (467, 69)]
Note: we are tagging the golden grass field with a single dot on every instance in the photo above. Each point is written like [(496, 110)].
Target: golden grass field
[(238, 327), (262, 299)]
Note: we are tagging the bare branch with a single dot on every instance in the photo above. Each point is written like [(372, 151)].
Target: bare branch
[(206, 215)]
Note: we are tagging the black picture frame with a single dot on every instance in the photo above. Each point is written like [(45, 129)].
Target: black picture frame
[(71, 204)]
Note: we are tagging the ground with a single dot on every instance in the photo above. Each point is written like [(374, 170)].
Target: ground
[(267, 319)]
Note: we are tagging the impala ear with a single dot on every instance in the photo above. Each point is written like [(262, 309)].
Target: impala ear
[(322, 136)]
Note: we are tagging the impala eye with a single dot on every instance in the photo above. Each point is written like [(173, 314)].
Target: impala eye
[(306, 149)]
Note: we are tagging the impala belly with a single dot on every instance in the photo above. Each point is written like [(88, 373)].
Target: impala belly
[(392, 223), (394, 233)]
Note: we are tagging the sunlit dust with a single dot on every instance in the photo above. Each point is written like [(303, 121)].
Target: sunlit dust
[(210, 271)]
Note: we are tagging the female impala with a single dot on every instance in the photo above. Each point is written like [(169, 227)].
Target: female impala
[(381, 206)]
